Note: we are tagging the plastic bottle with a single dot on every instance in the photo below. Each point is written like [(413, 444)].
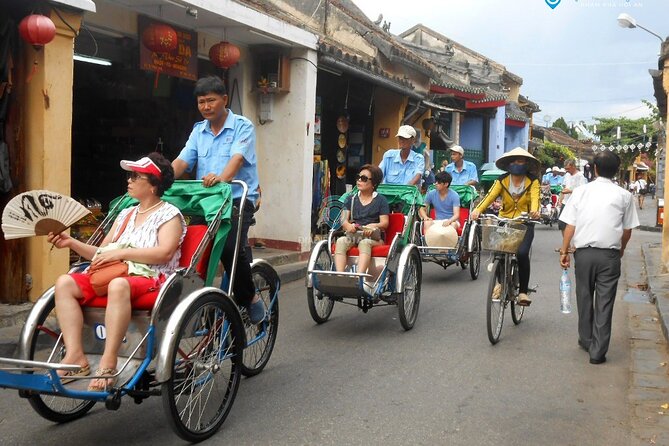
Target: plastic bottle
[(565, 292)]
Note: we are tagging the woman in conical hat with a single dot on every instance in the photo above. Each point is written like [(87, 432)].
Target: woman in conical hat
[(520, 192)]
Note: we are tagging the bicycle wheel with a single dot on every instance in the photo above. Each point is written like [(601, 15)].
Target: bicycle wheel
[(207, 361), (409, 300), (475, 257), (495, 302), (517, 311), (260, 338), (320, 306), (54, 408)]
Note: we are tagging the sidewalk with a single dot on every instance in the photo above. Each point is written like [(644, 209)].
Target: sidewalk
[(290, 266)]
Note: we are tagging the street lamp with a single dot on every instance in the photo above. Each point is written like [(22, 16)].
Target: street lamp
[(627, 21)]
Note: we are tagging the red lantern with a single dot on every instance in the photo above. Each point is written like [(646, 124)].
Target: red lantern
[(224, 54), (162, 40), (37, 30)]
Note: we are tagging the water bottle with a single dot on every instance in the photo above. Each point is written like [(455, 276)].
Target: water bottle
[(565, 292)]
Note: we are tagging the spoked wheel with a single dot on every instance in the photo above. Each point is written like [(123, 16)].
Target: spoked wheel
[(475, 257), (261, 338), (207, 362), (54, 408), (517, 311), (495, 302), (409, 300), (320, 306)]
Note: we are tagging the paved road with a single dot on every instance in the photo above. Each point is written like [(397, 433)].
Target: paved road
[(360, 379)]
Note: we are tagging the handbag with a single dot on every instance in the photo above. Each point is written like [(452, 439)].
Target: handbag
[(101, 275)]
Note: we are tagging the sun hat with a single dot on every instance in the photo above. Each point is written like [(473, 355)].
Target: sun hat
[(458, 149), (555, 169), (440, 235), (504, 160), (142, 165), (406, 131), (548, 170)]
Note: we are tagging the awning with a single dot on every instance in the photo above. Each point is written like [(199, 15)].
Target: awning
[(442, 107)]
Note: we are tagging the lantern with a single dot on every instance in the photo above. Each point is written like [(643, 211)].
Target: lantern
[(224, 54), (160, 39), (37, 30)]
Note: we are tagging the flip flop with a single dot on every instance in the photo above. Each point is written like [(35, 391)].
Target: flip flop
[(67, 376), (107, 382)]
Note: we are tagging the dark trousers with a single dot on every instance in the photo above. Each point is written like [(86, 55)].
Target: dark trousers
[(243, 287), (597, 272), (523, 257)]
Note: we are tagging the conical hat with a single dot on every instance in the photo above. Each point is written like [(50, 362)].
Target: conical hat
[(504, 160), (441, 236)]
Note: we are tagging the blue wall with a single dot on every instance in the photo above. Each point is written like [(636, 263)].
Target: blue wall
[(471, 132), (515, 137), (497, 125)]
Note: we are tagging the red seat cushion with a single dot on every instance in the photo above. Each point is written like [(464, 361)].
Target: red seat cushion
[(395, 225), (194, 234)]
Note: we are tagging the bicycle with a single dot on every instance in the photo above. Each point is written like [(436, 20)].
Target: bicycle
[(503, 237)]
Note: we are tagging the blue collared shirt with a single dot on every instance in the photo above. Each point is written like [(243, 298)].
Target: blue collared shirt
[(555, 180), (211, 153), (397, 172), (468, 173)]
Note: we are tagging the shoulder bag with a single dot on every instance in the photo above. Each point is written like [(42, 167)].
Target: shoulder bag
[(101, 275)]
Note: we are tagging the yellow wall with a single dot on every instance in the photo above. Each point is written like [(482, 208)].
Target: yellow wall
[(388, 112), (47, 123)]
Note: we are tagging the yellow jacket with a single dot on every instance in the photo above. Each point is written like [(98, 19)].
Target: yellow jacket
[(528, 201)]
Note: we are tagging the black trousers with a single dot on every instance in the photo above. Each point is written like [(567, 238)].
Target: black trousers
[(597, 272), (523, 257), (243, 287)]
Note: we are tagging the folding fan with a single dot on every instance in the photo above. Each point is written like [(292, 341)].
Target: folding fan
[(38, 212)]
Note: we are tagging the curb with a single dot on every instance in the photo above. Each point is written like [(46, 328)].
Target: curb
[(658, 283), (649, 228)]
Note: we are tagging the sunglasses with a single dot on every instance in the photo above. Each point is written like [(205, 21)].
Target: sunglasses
[(134, 176), (363, 178), (441, 182)]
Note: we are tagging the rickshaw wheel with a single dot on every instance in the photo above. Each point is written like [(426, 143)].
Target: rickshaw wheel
[(320, 307), (475, 257), (495, 304), (409, 300), (517, 311), (256, 355), (207, 362), (54, 408)]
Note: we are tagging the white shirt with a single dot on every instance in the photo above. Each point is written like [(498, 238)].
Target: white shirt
[(600, 211), (571, 182)]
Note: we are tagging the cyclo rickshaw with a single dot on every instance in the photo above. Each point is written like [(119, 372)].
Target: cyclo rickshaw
[(467, 251), (185, 341), (394, 272)]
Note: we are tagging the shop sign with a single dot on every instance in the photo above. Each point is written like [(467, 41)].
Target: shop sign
[(181, 62)]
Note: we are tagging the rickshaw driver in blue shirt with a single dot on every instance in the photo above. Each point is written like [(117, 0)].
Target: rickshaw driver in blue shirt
[(403, 165), (223, 148), (463, 172)]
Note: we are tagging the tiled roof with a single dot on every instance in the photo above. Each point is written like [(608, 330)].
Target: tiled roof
[(513, 111), (491, 96), (454, 84)]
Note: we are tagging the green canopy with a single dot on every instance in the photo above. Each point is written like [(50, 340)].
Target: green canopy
[(556, 189), (192, 198), (394, 193), (466, 193), (491, 175)]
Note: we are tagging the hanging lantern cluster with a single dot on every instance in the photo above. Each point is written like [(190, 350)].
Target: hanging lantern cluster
[(624, 148), (224, 54), (37, 30), (161, 39)]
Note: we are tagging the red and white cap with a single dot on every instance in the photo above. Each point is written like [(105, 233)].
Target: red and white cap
[(143, 165)]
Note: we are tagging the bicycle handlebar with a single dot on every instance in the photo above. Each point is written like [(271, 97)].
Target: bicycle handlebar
[(522, 218)]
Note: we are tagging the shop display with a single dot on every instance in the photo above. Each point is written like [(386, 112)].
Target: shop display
[(341, 141)]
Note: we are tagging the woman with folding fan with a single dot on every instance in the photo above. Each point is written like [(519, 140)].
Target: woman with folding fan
[(147, 237)]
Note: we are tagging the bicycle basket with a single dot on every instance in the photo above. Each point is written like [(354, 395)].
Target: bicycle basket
[(505, 238)]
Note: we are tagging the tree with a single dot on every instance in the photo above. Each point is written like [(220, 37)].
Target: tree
[(560, 123), (551, 154)]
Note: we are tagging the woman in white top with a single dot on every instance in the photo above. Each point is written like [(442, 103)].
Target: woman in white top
[(154, 231)]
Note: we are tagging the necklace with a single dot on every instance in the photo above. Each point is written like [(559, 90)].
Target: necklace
[(147, 210)]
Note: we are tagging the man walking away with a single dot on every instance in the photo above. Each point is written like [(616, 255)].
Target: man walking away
[(572, 179), (599, 217)]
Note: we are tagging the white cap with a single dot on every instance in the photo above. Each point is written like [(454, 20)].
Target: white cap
[(458, 149), (563, 170), (406, 131), (548, 170), (556, 169)]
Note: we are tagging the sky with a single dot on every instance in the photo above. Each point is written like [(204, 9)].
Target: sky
[(575, 60)]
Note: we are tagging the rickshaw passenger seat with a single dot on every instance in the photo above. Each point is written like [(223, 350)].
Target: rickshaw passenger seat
[(464, 215), (194, 234), (395, 225)]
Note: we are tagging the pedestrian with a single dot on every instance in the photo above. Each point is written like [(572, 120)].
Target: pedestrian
[(462, 171), (572, 179), (640, 189), (223, 146), (599, 219), (403, 165)]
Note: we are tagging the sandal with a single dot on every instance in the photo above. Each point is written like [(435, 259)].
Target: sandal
[(67, 377), (95, 385)]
